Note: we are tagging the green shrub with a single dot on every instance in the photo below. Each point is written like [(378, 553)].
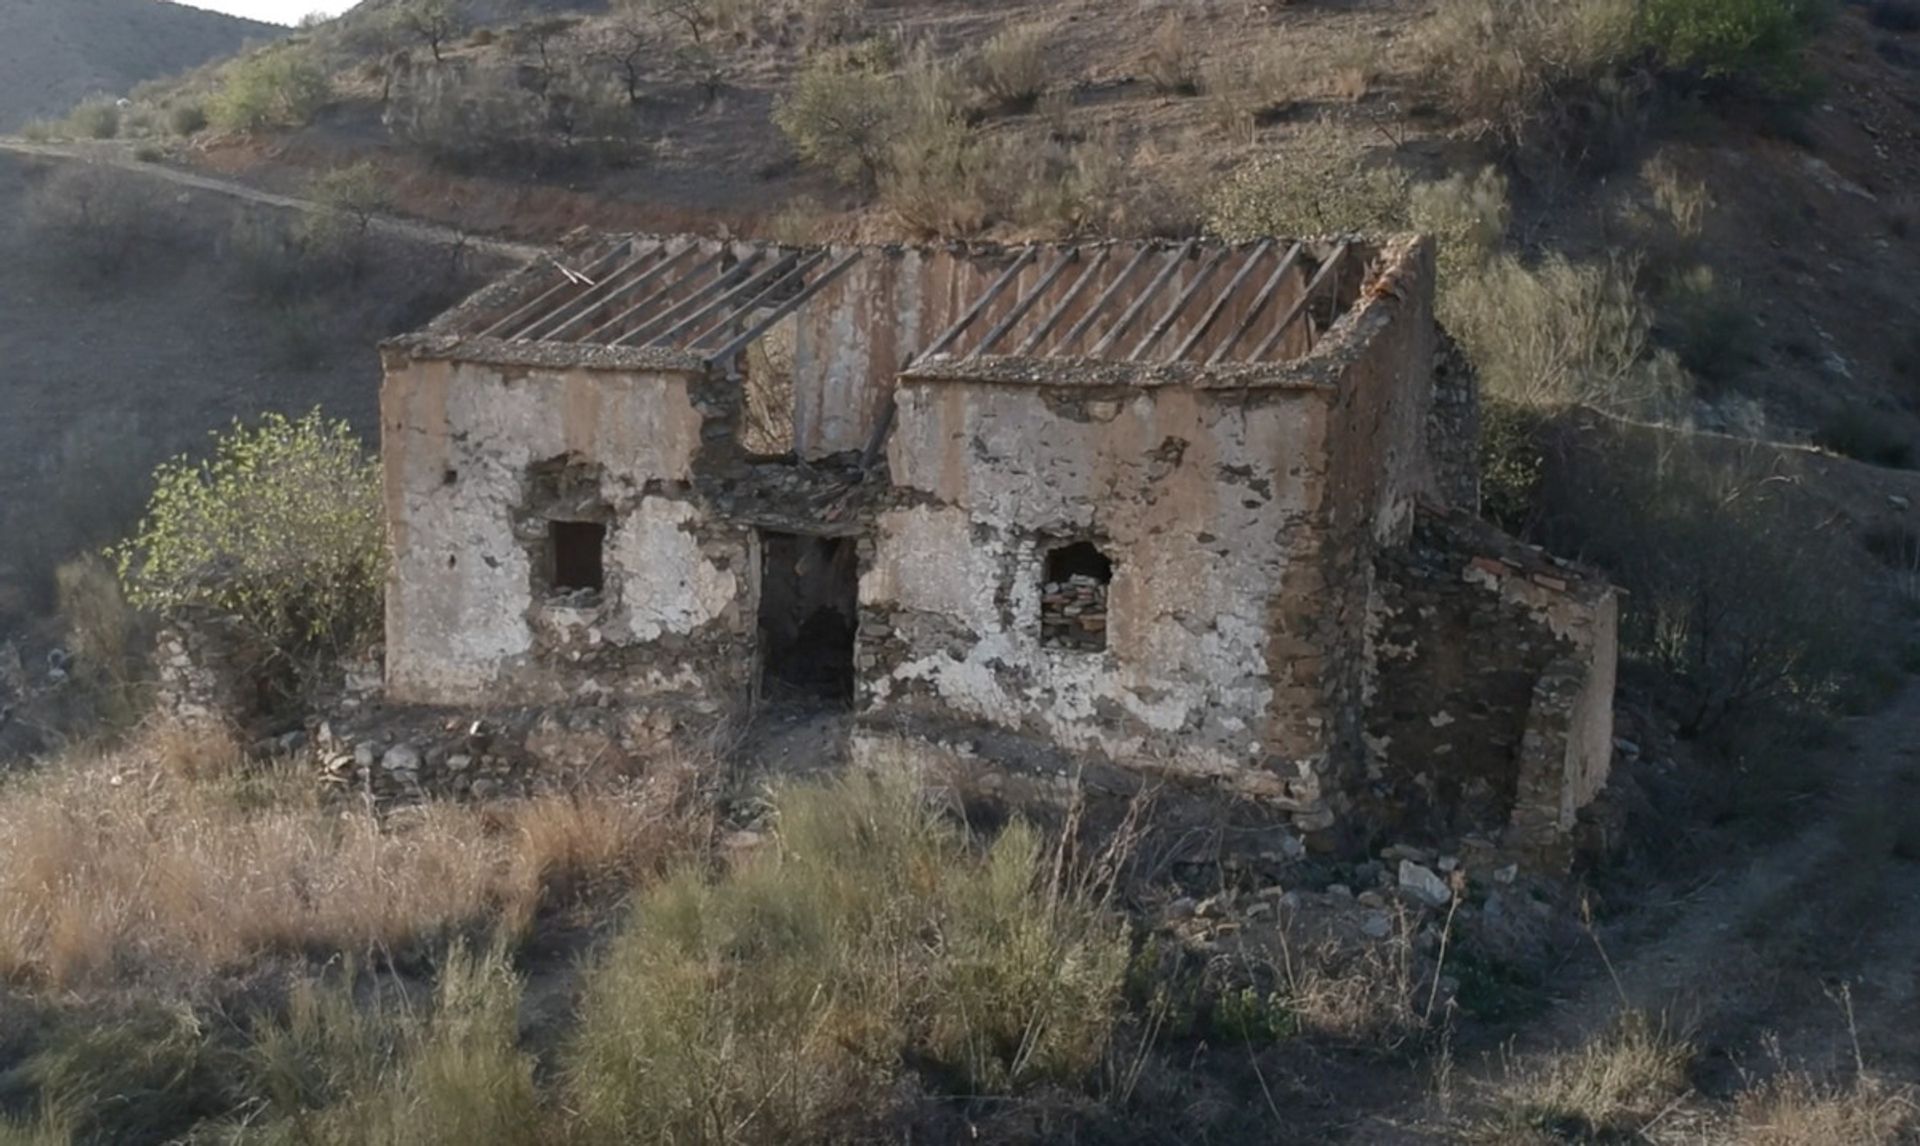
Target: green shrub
[(337, 1071), (842, 117), (281, 527), (38, 131), (96, 222), (277, 87), (350, 198), (1560, 334), (143, 1074), (186, 118), (1757, 40), (97, 118), (1708, 324), (1467, 215), (776, 1003)]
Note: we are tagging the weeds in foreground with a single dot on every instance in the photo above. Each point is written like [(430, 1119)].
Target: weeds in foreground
[(173, 855), (1612, 1084), (778, 1001)]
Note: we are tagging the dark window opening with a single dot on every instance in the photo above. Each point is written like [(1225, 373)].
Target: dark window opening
[(1073, 600), (809, 608), (578, 552)]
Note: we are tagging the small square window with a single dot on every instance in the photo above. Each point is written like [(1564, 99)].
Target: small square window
[(578, 552), (1073, 600)]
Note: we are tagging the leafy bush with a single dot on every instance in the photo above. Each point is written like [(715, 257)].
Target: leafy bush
[(1560, 334), (280, 528), (1761, 40), (843, 117), (350, 198), (97, 222), (186, 118), (278, 87), (1467, 215), (97, 118), (775, 1003)]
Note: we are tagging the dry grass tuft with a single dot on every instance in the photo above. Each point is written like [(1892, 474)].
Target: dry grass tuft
[(1792, 1109), (1609, 1086), (1509, 68), (173, 856)]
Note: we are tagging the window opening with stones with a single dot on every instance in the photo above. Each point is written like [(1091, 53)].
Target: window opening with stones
[(563, 527), (809, 602), (1073, 600)]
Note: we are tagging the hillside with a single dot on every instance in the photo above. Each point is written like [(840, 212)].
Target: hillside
[(1684, 264), (54, 53)]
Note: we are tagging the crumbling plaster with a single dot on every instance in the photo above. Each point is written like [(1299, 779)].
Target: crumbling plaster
[(1201, 501), (464, 623)]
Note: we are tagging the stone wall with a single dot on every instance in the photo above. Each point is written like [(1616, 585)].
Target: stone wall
[(1492, 710), (206, 671)]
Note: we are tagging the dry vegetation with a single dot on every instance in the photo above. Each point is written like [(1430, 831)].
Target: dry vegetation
[(174, 856), (871, 961)]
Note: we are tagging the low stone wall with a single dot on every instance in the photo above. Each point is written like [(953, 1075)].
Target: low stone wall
[(207, 671)]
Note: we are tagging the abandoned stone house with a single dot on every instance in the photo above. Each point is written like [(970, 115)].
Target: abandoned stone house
[(1184, 511)]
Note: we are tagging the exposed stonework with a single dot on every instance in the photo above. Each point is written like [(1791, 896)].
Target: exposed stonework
[(1493, 711), (1129, 509)]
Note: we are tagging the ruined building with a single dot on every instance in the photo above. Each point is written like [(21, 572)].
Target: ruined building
[(1176, 511)]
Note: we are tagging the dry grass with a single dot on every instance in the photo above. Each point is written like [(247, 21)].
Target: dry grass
[(1793, 1109), (1171, 64), (173, 855), (1012, 71), (777, 1003), (1375, 995), (1509, 67), (1611, 1085)]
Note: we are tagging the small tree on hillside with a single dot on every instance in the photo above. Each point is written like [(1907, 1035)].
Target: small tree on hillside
[(843, 118), (350, 199), (623, 45), (696, 17), (279, 529), (433, 22)]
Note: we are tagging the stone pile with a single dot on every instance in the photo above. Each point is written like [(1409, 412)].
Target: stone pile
[(1073, 613), (459, 758)]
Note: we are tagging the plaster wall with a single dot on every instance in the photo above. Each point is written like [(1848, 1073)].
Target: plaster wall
[(1203, 501), (466, 621)]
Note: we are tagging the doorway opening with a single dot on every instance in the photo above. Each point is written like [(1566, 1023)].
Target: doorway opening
[(809, 609)]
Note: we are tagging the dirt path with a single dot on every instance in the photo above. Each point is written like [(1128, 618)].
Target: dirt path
[(1785, 941), (413, 230)]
